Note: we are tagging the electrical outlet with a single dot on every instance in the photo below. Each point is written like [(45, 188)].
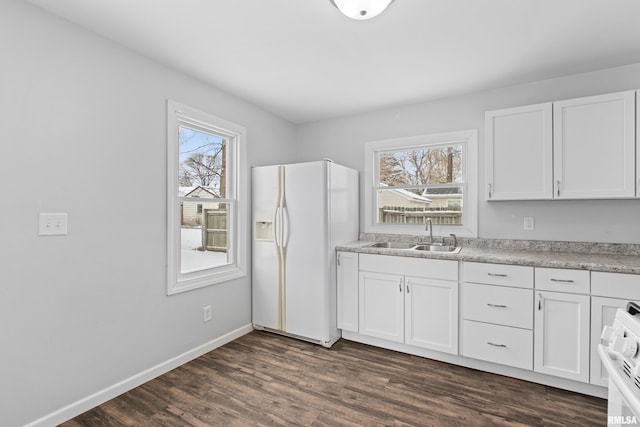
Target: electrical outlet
[(529, 223), (52, 224), (206, 314)]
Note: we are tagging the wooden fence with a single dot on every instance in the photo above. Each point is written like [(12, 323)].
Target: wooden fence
[(214, 230), (404, 215)]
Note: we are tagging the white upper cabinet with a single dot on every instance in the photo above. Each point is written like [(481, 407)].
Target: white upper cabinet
[(594, 147), (520, 153), (581, 148)]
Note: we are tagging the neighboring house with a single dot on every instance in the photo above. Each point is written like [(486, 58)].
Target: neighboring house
[(402, 198), (192, 210), (441, 201)]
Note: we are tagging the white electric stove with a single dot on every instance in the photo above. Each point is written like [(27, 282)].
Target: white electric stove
[(621, 359)]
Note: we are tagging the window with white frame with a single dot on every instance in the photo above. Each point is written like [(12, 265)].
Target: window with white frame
[(206, 201), (409, 180)]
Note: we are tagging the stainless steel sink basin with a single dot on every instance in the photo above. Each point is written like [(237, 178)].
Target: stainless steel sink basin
[(437, 248), (429, 247), (392, 245)]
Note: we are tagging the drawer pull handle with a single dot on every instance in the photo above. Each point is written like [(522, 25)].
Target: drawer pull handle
[(562, 280), (497, 275), (496, 345), (497, 305)]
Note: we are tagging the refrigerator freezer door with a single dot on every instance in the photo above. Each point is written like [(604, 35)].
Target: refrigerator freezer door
[(306, 246), (265, 289)]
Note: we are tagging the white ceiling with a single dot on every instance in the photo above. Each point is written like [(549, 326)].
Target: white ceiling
[(304, 61)]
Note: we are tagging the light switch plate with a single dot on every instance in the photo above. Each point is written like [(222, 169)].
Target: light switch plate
[(52, 224), (529, 223)]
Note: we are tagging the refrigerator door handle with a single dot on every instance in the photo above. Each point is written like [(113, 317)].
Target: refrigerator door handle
[(276, 227), (285, 228)]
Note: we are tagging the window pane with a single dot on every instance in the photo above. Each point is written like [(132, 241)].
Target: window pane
[(413, 206), (202, 162), (438, 165), (203, 237)]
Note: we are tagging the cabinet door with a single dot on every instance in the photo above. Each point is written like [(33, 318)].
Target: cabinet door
[(603, 311), (381, 312), (594, 147), (431, 314), (561, 335), (347, 289), (519, 153)]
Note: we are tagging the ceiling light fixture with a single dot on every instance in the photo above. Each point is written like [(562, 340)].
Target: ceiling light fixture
[(361, 9)]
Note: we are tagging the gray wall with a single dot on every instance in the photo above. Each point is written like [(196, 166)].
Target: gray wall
[(83, 129), (343, 139)]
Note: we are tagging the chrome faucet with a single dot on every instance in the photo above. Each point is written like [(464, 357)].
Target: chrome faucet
[(429, 227), (455, 240)]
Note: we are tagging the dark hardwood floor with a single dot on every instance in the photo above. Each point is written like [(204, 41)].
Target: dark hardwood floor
[(266, 379)]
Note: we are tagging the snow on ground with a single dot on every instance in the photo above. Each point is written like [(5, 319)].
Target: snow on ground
[(193, 259)]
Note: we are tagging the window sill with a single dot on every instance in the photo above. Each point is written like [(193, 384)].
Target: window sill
[(224, 274)]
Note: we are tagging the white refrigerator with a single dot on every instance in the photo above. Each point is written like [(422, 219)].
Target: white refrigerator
[(300, 213)]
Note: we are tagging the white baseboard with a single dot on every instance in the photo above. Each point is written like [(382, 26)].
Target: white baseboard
[(83, 405)]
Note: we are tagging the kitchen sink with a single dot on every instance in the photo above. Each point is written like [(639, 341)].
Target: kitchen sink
[(392, 245), (437, 248), (428, 247)]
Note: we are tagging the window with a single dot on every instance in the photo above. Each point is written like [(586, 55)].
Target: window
[(408, 180), (206, 201)]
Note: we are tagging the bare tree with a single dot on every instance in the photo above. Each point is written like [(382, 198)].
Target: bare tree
[(421, 166), (204, 164)]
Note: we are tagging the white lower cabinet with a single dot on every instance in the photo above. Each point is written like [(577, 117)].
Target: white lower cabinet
[(603, 311), (561, 344), (498, 344), (382, 305), (431, 314), (398, 305), (497, 313), (548, 320), (609, 292), (347, 291)]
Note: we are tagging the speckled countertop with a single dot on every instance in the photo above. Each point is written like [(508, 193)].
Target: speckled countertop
[(608, 257)]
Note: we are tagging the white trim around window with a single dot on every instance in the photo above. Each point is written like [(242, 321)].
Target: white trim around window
[(469, 141), (235, 199)]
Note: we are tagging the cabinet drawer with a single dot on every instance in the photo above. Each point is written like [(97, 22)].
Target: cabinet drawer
[(420, 267), (615, 285), (497, 304), (498, 344), (562, 280), (498, 274)]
